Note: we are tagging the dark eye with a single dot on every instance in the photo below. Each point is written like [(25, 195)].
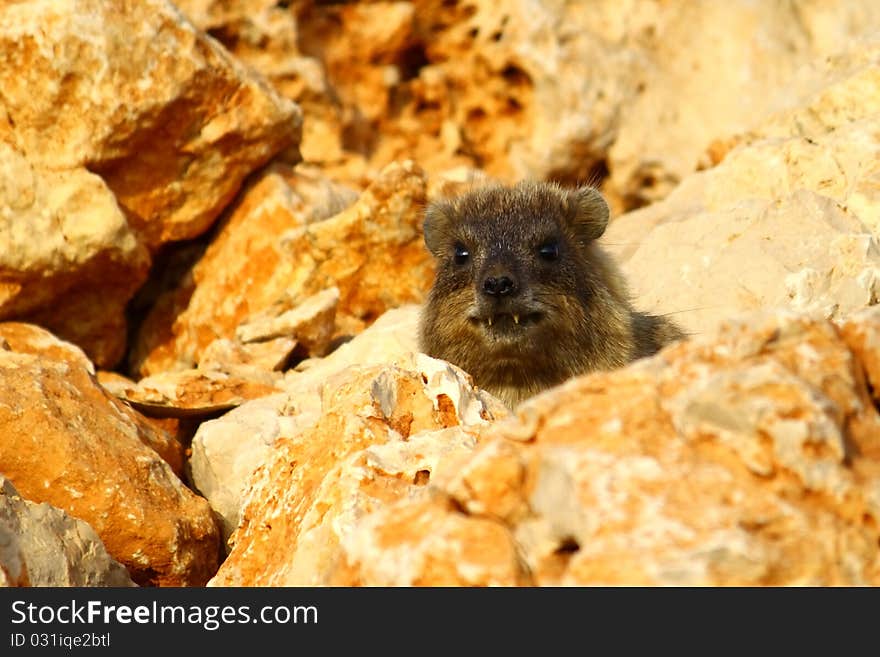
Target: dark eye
[(549, 251), (461, 254)]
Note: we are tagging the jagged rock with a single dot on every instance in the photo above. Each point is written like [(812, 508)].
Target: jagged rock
[(43, 546), (199, 392), (29, 339), (273, 249), (270, 355), (121, 127), (802, 252), (310, 322), (790, 217), (65, 441), (383, 433), (638, 90), (268, 339), (748, 457), (87, 263), (264, 34), (227, 450), (23, 338)]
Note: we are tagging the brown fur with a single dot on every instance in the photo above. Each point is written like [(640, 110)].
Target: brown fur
[(573, 311)]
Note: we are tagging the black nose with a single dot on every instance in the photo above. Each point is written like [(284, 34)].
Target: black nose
[(499, 286)]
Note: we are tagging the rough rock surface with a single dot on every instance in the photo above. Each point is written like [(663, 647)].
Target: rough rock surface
[(749, 457), (790, 217), (23, 338), (30, 339), (43, 546), (65, 441), (87, 263), (264, 34), (384, 432), (227, 450), (198, 392), (274, 249), (121, 127), (525, 89)]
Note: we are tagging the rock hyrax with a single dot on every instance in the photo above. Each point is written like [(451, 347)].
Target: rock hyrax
[(524, 298)]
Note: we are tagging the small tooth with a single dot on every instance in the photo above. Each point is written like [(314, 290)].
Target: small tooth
[(490, 321), (516, 319)]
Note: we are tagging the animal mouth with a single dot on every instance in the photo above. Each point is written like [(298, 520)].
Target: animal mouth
[(506, 321)]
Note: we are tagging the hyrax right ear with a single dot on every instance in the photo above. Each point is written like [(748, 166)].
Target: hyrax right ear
[(437, 223), (589, 216)]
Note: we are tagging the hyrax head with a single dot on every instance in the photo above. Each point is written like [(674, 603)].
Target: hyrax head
[(513, 266)]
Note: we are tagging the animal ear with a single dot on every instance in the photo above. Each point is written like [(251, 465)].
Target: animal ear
[(589, 216), (436, 226)]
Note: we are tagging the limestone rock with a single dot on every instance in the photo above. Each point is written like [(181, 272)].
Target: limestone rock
[(269, 355), (121, 127), (311, 323), (264, 34), (861, 332), (23, 338), (199, 392), (637, 90), (711, 70), (77, 277), (67, 442), (748, 457), (162, 114), (227, 450), (114, 382), (274, 249), (383, 434), (43, 546), (30, 339), (790, 217), (802, 252)]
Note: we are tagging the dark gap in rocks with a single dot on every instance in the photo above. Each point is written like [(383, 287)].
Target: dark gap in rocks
[(422, 477), (172, 263), (476, 114), (458, 507), (516, 76), (298, 355), (224, 35), (568, 545), (359, 135), (411, 61), (337, 342)]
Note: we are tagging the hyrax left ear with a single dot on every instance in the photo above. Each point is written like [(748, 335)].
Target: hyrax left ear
[(436, 227), (589, 213)]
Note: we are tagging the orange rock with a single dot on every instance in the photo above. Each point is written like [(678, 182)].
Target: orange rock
[(264, 35), (30, 339), (227, 450), (548, 90), (164, 115), (748, 457), (724, 460), (385, 432), (65, 441), (271, 248), (199, 392), (122, 127)]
